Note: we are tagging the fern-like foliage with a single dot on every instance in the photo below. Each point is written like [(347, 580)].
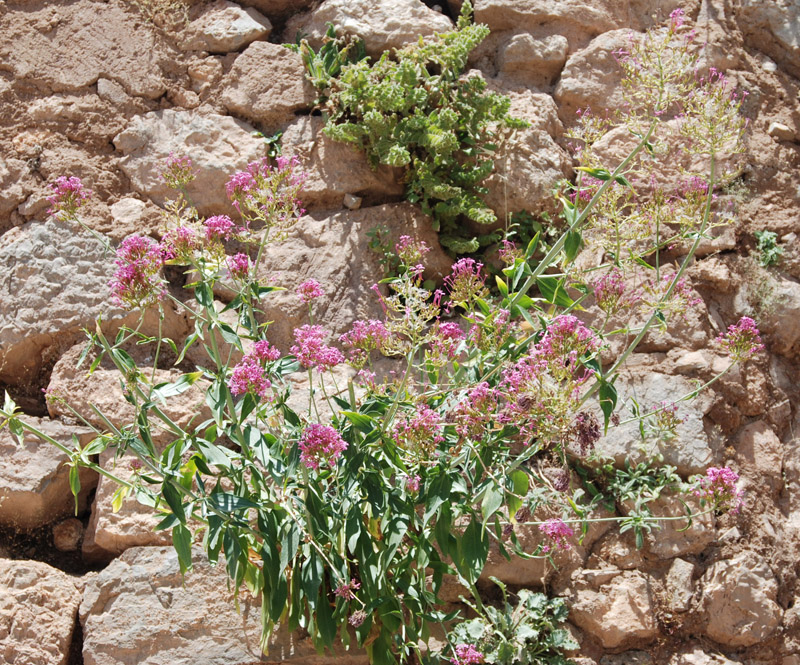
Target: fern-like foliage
[(415, 110)]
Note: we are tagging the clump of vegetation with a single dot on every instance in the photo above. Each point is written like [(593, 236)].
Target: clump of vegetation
[(529, 633), (414, 110), (769, 252)]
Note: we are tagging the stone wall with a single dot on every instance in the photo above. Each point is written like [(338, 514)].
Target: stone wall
[(95, 89)]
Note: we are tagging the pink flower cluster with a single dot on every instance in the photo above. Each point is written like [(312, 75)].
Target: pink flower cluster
[(719, 487), (137, 281), (420, 431), (311, 351), (411, 251), (250, 374), (177, 171), (268, 192), (742, 339), (467, 654), (466, 282), (364, 337), (444, 340), (309, 290), (558, 533), (68, 195), (181, 242), (475, 412), (238, 266), (589, 185), (508, 252), (320, 445), (566, 340), (219, 228), (412, 484), (346, 589), (610, 292)]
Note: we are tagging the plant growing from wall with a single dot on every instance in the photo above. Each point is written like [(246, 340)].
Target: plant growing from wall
[(345, 525), (416, 111)]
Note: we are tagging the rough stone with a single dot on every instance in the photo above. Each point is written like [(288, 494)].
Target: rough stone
[(739, 596), (324, 248), (267, 84), (690, 451), (761, 452), (618, 613), (13, 188), (336, 169), (67, 534), (679, 586), (773, 28), (34, 479), (783, 323), (673, 539), (224, 27), (591, 77), (529, 163), (382, 24), (617, 549), (699, 657), (141, 604), (537, 61), (217, 145), (54, 284), (131, 216), (278, 8), (69, 48), (38, 605), (778, 130)]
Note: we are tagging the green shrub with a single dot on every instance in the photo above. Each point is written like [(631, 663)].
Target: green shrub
[(416, 111)]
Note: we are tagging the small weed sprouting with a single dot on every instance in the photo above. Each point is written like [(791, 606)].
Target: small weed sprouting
[(769, 252)]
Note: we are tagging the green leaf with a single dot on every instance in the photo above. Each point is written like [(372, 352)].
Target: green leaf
[(362, 422), (173, 499), (552, 290), (473, 551), (229, 503), (608, 401), (186, 381), (182, 541), (118, 498), (204, 294), (492, 500), (75, 484), (572, 245), (600, 174), (520, 484), (502, 286)]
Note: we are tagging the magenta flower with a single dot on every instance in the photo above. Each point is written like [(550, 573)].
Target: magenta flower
[(466, 282), (312, 352), (420, 431), (180, 242), (320, 445), (264, 351), (677, 18), (467, 654), (474, 413), (137, 281), (238, 266), (177, 171), (508, 252), (364, 337), (249, 377), (309, 290), (68, 195), (558, 533), (742, 339), (346, 589), (410, 250), (412, 484), (219, 227), (719, 487), (610, 292), (445, 338)]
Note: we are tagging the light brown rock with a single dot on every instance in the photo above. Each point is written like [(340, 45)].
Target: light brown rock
[(773, 28), (537, 61), (382, 24), (672, 538), (336, 170), (690, 451), (591, 77), (335, 251), (54, 283), (38, 605), (760, 451), (217, 145), (739, 596), (133, 216), (617, 613), (679, 586), (224, 27), (70, 47), (142, 605), (34, 478), (267, 84), (529, 163)]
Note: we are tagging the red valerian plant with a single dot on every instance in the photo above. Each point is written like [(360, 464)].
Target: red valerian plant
[(345, 524)]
